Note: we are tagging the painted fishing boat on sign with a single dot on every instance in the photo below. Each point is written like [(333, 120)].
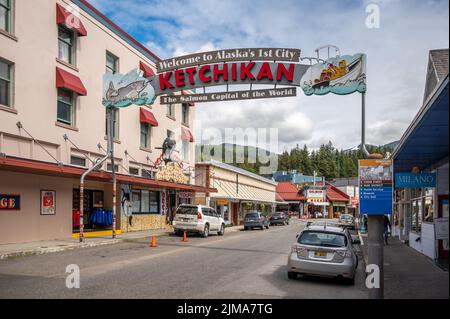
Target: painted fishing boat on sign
[(338, 75)]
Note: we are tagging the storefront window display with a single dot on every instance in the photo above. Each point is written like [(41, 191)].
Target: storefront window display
[(145, 202)]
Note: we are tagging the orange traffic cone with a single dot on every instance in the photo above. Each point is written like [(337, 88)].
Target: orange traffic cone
[(184, 236), (153, 241)]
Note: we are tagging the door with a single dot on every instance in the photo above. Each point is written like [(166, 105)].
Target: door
[(234, 211), (443, 213), (215, 220)]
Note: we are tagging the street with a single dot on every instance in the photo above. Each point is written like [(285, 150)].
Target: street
[(241, 264)]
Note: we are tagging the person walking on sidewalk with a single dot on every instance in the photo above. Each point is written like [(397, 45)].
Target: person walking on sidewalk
[(387, 227)]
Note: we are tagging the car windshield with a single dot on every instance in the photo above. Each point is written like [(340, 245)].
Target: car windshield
[(252, 215), (187, 210), (324, 239), (347, 217)]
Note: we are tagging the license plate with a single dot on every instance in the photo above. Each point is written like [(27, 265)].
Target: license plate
[(320, 254), (186, 219)]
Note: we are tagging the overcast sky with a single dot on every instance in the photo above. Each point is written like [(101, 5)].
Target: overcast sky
[(397, 55)]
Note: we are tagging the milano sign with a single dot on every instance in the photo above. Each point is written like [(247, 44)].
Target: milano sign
[(261, 66)]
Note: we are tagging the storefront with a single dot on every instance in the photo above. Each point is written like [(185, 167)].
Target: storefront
[(291, 199), (238, 191), (421, 169)]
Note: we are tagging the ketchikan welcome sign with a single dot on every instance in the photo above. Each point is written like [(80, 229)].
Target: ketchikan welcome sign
[(251, 66)]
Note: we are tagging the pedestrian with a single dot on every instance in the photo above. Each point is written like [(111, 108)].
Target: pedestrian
[(365, 222), (387, 227)]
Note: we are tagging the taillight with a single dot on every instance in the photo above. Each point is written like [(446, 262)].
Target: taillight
[(302, 252), (259, 218), (199, 215), (344, 253)]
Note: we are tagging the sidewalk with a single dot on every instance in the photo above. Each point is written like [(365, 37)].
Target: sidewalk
[(57, 245), (408, 274)]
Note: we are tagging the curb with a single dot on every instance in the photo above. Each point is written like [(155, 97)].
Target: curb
[(73, 246)]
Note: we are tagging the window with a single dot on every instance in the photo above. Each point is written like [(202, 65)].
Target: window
[(115, 124), (109, 167), (5, 83), (134, 171), (146, 173), (145, 202), (185, 150), (416, 217), (65, 107), (66, 49), (78, 161), (171, 110), (5, 15), (145, 135), (185, 114), (112, 63)]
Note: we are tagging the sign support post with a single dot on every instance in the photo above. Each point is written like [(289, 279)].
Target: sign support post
[(110, 151), (376, 253)]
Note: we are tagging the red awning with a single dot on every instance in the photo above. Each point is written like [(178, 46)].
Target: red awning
[(186, 135), (148, 117), (70, 20), (148, 71), (69, 81)]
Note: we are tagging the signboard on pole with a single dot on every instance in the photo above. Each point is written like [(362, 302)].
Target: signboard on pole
[(339, 75), (375, 186)]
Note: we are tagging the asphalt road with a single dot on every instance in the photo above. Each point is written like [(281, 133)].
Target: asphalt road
[(242, 264)]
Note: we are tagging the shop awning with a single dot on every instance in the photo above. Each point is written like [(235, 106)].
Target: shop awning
[(425, 142), (15, 164), (148, 117), (70, 20), (186, 135), (69, 81), (148, 71)]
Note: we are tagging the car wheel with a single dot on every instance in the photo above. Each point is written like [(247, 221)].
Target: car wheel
[(221, 232), (351, 281), (206, 231), (245, 228), (292, 275), (178, 233)]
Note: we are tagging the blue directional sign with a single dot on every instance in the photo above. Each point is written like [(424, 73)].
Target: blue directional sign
[(411, 180), (375, 187)]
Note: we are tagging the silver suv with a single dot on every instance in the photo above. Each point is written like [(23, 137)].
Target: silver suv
[(198, 219)]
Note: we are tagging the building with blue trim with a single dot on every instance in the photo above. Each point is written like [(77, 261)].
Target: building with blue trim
[(421, 213)]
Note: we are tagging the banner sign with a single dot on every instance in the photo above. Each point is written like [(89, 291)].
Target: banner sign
[(230, 55), (338, 75), (228, 73), (411, 180), (9, 202), (229, 96), (375, 186)]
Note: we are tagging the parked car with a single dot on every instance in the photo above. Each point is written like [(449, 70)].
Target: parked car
[(198, 219), (279, 218), (347, 220), (318, 215), (322, 250), (255, 219)]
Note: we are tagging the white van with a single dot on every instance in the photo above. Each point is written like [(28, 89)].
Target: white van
[(199, 219)]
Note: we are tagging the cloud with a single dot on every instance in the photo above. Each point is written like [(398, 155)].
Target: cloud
[(397, 56)]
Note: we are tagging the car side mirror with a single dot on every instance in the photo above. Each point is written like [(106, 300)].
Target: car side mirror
[(296, 236)]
